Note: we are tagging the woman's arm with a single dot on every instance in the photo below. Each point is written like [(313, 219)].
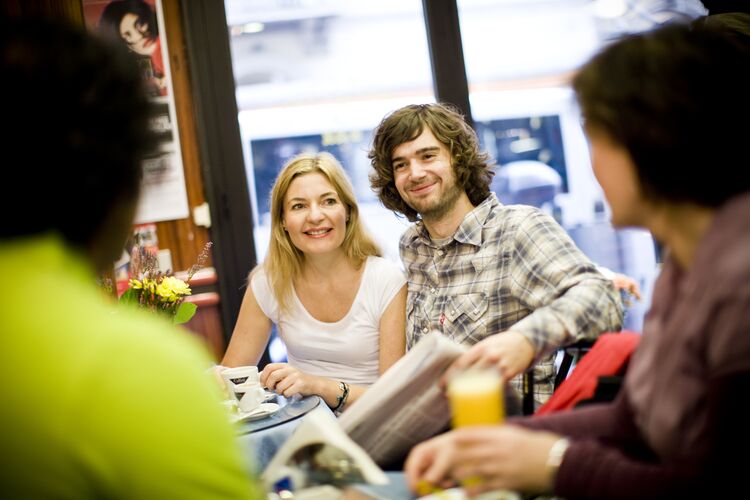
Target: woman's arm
[(513, 458), (250, 335), (613, 421), (393, 331)]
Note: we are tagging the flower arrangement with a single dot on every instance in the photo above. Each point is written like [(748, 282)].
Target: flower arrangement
[(152, 289)]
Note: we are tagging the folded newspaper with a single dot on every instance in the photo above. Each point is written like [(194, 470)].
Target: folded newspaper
[(405, 406), (319, 452)]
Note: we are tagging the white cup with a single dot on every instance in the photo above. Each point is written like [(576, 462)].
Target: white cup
[(240, 375), (250, 396)]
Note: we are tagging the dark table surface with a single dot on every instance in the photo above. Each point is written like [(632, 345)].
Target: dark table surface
[(290, 409)]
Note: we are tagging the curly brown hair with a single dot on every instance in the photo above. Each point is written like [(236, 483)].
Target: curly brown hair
[(473, 168)]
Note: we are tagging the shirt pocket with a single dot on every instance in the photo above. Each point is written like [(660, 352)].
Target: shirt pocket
[(466, 317)]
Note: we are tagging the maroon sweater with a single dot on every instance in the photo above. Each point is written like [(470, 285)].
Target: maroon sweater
[(679, 425)]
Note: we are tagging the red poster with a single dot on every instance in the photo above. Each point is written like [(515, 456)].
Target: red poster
[(135, 24), (139, 26)]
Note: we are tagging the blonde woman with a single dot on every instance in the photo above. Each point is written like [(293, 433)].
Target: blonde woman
[(338, 305)]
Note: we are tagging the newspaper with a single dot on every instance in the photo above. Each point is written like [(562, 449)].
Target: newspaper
[(405, 406), (320, 452)]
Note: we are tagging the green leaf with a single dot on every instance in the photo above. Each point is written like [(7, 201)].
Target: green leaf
[(185, 311), (130, 297)]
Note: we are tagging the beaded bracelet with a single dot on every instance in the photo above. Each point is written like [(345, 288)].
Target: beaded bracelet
[(341, 399)]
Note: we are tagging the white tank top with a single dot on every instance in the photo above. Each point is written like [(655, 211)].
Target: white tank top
[(348, 349)]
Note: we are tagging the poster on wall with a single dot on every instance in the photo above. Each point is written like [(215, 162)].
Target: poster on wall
[(139, 25)]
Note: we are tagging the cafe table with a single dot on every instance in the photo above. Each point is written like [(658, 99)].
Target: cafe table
[(261, 439), (397, 489)]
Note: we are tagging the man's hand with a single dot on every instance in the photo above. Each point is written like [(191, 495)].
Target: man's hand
[(509, 352)]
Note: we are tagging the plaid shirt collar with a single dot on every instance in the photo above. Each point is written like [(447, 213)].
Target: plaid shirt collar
[(470, 229)]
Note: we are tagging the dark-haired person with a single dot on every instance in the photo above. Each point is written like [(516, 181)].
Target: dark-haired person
[(134, 23), (659, 111), (97, 402), (507, 279), (736, 25)]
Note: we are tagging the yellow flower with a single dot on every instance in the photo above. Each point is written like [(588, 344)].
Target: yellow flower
[(149, 285), (150, 289), (171, 289)]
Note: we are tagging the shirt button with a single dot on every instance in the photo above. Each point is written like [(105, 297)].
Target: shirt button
[(433, 290), (424, 330), (453, 312), (440, 252)]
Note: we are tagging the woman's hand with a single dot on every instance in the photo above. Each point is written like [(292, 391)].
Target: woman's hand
[(496, 457), (287, 380)]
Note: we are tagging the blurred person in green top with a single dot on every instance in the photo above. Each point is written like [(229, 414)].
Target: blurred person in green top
[(94, 402)]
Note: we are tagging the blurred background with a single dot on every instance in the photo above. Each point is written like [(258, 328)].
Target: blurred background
[(318, 75), (258, 81)]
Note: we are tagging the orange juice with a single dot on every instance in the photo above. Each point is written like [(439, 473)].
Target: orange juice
[(476, 398)]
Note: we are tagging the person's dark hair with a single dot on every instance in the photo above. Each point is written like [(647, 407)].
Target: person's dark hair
[(76, 117), (734, 24), (676, 99), (109, 22), (472, 167)]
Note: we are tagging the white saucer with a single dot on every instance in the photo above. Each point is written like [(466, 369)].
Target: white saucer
[(262, 411), (269, 395)]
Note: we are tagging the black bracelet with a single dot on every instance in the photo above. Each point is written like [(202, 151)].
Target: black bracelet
[(346, 395), (341, 399)]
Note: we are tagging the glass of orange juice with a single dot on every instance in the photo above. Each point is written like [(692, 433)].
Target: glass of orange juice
[(476, 398)]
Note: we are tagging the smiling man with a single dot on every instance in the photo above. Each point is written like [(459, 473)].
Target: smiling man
[(506, 279)]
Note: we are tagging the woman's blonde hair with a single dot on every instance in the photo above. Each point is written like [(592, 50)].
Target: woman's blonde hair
[(284, 261)]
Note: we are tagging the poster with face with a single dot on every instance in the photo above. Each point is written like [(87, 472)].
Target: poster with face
[(139, 26), (135, 24)]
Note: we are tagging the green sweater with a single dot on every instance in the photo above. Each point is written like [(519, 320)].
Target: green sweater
[(99, 401)]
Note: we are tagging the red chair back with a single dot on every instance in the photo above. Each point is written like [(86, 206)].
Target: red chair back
[(608, 356)]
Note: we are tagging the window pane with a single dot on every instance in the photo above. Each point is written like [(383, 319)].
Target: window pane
[(522, 39), (319, 76), (519, 56)]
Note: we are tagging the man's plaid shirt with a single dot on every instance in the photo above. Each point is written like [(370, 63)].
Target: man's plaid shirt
[(507, 267)]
